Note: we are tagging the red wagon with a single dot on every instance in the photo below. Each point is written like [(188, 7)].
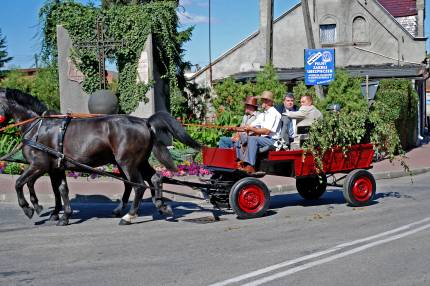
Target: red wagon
[(249, 197)]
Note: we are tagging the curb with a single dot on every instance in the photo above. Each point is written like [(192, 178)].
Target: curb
[(399, 174)]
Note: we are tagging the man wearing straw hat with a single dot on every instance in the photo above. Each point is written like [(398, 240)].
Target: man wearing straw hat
[(265, 130), (250, 115)]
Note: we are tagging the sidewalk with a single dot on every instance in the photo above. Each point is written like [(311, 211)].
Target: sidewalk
[(107, 190)]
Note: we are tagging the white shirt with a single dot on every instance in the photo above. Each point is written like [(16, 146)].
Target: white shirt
[(247, 119), (269, 119)]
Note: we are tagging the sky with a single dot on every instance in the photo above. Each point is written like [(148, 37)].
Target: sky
[(232, 21)]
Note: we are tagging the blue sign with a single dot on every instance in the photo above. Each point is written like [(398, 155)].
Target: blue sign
[(319, 66)]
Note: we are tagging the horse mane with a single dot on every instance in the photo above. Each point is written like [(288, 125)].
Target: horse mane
[(25, 100)]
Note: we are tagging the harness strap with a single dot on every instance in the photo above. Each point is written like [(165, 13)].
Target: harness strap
[(55, 153), (60, 139)]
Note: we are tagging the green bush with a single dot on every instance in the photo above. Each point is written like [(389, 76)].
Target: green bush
[(230, 95), (44, 85), (397, 102)]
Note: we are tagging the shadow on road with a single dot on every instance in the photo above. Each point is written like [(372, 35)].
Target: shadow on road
[(99, 206), (332, 197)]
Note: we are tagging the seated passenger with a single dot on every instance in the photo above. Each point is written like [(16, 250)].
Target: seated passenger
[(250, 115), (287, 129), (306, 114), (265, 130)]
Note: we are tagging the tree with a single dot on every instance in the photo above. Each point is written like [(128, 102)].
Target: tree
[(108, 3), (3, 54)]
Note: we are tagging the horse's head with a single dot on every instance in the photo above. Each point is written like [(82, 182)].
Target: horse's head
[(18, 105)]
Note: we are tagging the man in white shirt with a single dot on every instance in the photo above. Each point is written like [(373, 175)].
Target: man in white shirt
[(264, 130), (250, 115)]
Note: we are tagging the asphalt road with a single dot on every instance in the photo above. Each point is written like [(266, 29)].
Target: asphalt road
[(323, 242)]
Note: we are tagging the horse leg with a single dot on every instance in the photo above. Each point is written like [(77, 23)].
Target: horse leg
[(136, 177), (155, 181), (55, 183), (29, 174), (64, 192), (125, 198), (33, 198)]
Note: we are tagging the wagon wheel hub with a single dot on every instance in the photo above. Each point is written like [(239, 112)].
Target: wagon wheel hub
[(362, 189), (251, 199)]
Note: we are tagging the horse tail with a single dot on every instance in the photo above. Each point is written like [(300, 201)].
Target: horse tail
[(162, 125)]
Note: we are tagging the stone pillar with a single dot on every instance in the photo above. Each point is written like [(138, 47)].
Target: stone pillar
[(148, 70), (72, 97), (266, 30)]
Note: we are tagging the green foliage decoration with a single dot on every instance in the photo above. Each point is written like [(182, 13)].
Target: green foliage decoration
[(344, 128), (130, 23), (358, 123)]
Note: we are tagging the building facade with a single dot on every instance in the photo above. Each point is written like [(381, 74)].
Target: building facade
[(378, 38)]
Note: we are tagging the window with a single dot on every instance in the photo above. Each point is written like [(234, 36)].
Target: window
[(359, 30), (328, 34)]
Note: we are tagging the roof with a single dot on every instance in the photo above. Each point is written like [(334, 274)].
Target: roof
[(400, 8), (373, 71)]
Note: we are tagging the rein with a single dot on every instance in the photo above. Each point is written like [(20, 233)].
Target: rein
[(68, 115), (232, 128)]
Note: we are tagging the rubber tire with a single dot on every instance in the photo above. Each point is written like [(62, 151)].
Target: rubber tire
[(348, 187), (235, 192), (311, 187)]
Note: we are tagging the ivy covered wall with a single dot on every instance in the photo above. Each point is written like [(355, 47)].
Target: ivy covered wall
[(130, 23)]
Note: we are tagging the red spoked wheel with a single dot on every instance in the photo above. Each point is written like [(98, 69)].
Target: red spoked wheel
[(249, 198), (359, 188)]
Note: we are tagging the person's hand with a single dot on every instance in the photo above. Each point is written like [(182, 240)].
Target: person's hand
[(235, 137), (249, 128)]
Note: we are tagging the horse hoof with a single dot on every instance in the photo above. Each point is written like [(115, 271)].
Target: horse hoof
[(29, 211), (54, 217), (124, 222), (38, 209), (63, 222), (166, 210)]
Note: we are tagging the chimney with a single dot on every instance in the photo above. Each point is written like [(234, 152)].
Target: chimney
[(420, 18), (266, 30)]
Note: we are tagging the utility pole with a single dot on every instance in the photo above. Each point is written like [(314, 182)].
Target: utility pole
[(210, 47), (266, 29), (310, 36)]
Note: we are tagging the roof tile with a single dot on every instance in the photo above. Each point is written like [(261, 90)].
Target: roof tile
[(400, 8)]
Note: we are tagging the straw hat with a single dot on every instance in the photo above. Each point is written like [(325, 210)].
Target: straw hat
[(251, 100), (266, 95)]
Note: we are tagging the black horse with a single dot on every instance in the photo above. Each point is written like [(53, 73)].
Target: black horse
[(125, 141)]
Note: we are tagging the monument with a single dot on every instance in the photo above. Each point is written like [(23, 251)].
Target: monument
[(148, 70), (72, 97)]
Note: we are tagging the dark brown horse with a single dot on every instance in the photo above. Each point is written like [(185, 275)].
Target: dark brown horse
[(125, 141)]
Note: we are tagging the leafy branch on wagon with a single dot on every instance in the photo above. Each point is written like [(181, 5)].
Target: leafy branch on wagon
[(388, 123)]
